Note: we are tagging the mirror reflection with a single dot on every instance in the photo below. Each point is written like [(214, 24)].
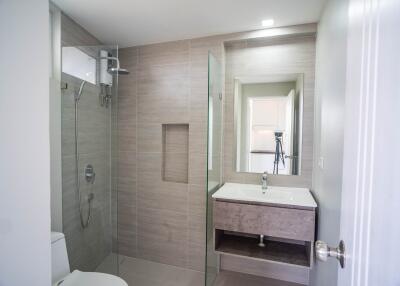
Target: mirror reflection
[(268, 123)]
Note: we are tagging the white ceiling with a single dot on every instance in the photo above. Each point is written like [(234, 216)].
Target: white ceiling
[(137, 22)]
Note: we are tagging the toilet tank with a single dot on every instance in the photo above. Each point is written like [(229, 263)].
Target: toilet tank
[(59, 257)]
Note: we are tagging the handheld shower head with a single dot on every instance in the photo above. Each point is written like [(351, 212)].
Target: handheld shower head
[(78, 95)]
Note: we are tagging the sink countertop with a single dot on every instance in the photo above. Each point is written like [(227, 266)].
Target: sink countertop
[(288, 197)]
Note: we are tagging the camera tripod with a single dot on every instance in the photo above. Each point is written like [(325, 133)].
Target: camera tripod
[(279, 155)]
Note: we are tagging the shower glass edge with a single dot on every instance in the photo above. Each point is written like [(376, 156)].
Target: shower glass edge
[(214, 161)]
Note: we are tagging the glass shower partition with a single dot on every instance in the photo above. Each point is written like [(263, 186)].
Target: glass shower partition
[(214, 159), (89, 200)]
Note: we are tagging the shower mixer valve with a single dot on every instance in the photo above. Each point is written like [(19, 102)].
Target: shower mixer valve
[(90, 175)]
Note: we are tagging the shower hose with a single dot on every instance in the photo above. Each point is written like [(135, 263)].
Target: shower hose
[(84, 221)]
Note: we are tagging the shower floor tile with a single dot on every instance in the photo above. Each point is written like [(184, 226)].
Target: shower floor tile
[(139, 272), (227, 278), (109, 265)]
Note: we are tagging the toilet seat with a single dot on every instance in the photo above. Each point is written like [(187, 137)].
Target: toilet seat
[(78, 278)]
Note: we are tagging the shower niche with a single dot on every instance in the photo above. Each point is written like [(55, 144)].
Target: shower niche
[(175, 152)]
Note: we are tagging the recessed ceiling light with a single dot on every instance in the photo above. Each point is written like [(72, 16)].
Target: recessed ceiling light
[(267, 22)]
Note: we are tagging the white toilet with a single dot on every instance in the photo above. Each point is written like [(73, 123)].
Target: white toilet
[(61, 273)]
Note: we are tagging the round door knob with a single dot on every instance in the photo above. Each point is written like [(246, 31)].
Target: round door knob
[(323, 251)]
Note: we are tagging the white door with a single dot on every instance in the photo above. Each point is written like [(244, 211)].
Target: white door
[(330, 94), (370, 214)]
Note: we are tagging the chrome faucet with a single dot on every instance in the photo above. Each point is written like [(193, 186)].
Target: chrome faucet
[(264, 180)]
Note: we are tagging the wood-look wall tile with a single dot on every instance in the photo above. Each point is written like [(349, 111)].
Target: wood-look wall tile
[(149, 163), (127, 163), (126, 242), (196, 256), (197, 202), (164, 79), (164, 53), (197, 169), (168, 85), (149, 137), (175, 167), (154, 194), (198, 103), (197, 229), (127, 140), (176, 138), (161, 235), (198, 137), (128, 57)]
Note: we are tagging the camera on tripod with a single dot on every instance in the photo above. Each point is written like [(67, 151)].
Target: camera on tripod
[(279, 154)]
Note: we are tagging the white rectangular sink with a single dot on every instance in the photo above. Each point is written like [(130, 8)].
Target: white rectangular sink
[(295, 197)]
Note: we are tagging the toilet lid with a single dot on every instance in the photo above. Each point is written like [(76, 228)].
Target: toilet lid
[(78, 278)]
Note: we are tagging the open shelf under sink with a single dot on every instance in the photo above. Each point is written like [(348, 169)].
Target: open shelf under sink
[(277, 251)]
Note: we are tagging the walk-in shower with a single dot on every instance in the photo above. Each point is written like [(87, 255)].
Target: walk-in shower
[(134, 159), (89, 105), (89, 172)]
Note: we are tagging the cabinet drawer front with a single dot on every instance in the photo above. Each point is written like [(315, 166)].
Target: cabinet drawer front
[(271, 221)]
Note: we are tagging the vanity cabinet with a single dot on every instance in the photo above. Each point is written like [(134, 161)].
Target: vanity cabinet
[(283, 222), (288, 230)]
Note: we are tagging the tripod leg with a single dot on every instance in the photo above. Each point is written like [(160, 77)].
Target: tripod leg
[(282, 155), (276, 161)]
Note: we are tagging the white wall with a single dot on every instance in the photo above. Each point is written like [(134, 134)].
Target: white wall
[(55, 121), (329, 128), (24, 144)]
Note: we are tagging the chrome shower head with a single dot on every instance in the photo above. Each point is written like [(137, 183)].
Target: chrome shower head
[(117, 69)]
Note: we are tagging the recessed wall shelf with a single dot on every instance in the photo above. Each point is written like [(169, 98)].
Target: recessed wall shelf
[(175, 148)]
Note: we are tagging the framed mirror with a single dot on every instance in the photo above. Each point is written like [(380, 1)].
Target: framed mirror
[(268, 123)]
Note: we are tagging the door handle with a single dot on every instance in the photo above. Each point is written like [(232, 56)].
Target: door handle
[(323, 251)]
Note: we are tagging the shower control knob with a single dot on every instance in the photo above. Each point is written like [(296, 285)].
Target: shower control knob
[(89, 173), (323, 252)]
